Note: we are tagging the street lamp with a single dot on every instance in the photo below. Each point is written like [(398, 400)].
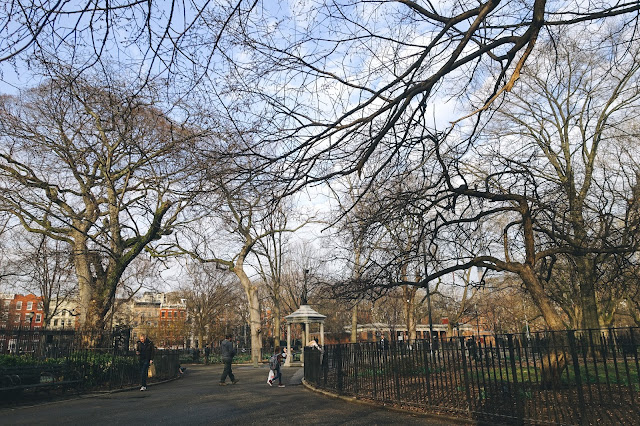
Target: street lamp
[(30, 315), (304, 288)]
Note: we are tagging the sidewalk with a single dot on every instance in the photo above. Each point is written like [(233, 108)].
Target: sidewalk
[(196, 399)]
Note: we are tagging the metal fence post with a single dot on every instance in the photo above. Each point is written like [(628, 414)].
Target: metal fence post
[(355, 356), (516, 388), (465, 374), (576, 369), (339, 373)]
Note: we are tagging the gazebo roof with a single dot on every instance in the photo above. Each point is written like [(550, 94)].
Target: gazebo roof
[(305, 314)]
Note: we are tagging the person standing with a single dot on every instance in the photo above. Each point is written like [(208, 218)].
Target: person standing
[(206, 354), (145, 351), (227, 352)]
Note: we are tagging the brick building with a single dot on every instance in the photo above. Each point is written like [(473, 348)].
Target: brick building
[(22, 311), (172, 329)]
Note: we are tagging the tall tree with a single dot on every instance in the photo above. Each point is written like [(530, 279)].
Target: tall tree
[(96, 166), (271, 257), (513, 203), (239, 211), (569, 117)]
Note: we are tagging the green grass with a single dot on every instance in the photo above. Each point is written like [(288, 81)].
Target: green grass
[(530, 374)]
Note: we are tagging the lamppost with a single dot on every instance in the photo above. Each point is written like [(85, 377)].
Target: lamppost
[(304, 297), (30, 315), (304, 301)]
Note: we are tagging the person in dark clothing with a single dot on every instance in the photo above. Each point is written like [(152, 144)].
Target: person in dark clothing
[(227, 352), (206, 354), (145, 351), (383, 344)]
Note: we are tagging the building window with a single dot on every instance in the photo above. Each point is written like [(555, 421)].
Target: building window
[(19, 305), (38, 317), (62, 322), (169, 313), (40, 306), (7, 303), (55, 323), (29, 306), (162, 314)]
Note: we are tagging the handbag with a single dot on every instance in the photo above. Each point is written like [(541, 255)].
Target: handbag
[(270, 376), (152, 370)]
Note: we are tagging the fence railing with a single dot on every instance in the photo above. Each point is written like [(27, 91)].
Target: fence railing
[(570, 377), (103, 360)]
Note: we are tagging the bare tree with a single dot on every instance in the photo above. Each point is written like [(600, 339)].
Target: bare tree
[(45, 269), (354, 82), (514, 205), (241, 208), (567, 117), (150, 40), (209, 293), (271, 256), (99, 169)]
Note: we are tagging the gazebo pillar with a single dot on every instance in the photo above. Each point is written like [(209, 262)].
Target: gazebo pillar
[(306, 337), (322, 334), (287, 360)]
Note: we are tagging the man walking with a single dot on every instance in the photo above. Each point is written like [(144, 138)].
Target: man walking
[(145, 351), (227, 353)]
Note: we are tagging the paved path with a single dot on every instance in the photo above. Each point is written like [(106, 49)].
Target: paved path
[(197, 399)]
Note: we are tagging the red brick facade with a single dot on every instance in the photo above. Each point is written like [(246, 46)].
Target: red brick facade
[(22, 311)]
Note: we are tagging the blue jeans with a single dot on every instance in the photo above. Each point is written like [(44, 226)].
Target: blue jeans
[(277, 375), (144, 371)]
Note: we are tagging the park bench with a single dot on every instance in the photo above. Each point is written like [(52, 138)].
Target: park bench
[(16, 379)]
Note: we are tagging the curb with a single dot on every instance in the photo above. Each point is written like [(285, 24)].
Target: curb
[(106, 392), (353, 399)]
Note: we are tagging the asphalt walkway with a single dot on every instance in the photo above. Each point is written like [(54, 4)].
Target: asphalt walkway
[(197, 399)]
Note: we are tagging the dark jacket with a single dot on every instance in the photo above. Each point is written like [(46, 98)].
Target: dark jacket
[(226, 350), (145, 349)]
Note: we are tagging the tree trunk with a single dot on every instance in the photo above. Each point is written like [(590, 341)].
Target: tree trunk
[(255, 325), (276, 322), (83, 273), (354, 324), (255, 321), (588, 302), (409, 294), (554, 362)]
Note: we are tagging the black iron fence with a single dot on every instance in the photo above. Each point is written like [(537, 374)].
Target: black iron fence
[(97, 360), (570, 377)]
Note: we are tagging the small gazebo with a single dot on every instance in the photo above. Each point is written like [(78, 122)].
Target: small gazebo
[(307, 316)]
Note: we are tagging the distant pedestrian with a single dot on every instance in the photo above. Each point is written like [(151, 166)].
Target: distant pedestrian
[(274, 365), (206, 354), (145, 351), (227, 352), (383, 344)]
